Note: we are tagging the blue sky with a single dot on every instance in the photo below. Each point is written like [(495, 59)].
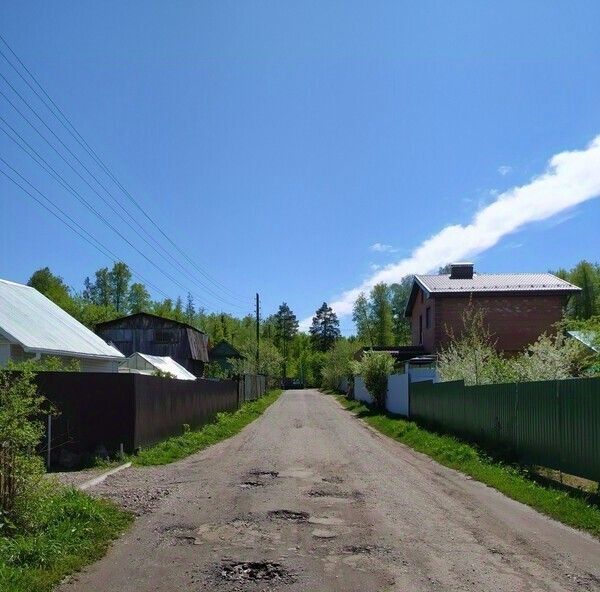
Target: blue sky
[(276, 142)]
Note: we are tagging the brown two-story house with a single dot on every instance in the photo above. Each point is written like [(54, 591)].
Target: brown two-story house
[(518, 307)]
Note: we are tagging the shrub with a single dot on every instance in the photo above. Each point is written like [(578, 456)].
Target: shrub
[(20, 433), (375, 367), (337, 364)]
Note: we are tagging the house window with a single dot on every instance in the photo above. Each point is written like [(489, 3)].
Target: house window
[(428, 317), (420, 329)]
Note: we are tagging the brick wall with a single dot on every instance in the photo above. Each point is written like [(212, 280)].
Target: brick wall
[(515, 320)]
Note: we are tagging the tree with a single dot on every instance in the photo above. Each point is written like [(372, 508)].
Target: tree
[(21, 429), (99, 291), (381, 313), (337, 364), (471, 355), (178, 314), (286, 327), (400, 295), (118, 279), (54, 288), (138, 299), (586, 276), (362, 320), (190, 310), (325, 328), (551, 357), (270, 360), (375, 367)]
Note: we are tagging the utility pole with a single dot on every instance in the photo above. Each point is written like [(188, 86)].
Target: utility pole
[(257, 332)]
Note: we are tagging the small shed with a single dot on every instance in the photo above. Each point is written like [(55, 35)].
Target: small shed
[(33, 327), (138, 363), (222, 352)]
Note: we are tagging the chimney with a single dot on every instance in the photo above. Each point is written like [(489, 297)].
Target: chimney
[(461, 271)]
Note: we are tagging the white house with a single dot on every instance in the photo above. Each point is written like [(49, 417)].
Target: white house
[(32, 326), (138, 363)]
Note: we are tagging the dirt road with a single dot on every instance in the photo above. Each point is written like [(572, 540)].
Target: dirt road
[(321, 502)]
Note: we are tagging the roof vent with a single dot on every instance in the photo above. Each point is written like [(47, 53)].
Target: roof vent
[(461, 271)]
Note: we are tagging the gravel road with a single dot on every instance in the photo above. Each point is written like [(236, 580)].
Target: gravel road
[(309, 498)]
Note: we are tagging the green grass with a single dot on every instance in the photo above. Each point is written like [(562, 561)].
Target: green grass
[(71, 530), (575, 510), (225, 426)]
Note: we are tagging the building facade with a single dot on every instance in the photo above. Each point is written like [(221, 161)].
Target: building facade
[(150, 334), (518, 307)]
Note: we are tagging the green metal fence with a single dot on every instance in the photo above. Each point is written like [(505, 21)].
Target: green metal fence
[(555, 424)]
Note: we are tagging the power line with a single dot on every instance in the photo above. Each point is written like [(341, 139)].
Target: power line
[(68, 125), (73, 225), (51, 171), (184, 271)]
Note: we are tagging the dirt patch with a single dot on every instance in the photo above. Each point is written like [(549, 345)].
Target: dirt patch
[(139, 501), (289, 515), (254, 571)]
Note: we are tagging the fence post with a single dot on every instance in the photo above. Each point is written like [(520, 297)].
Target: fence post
[(49, 445)]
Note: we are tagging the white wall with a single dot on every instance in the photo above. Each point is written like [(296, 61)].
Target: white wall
[(397, 394), (360, 391), (398, 389)]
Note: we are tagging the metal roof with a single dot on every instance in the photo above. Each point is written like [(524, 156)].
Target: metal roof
[(496, 282), (489, 283), (31, 320), (590, 339), (164, 363)]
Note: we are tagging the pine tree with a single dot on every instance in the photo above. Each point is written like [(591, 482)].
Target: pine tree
[(286, 327), (325, 328)]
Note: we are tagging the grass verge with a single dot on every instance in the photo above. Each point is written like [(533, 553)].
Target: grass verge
[(71, 530), (575, 510), (225, 426)]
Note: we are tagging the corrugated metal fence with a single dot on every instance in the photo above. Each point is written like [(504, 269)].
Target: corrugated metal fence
[(252, 387), (555, 424)]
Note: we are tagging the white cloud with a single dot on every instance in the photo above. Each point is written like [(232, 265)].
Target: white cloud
[(381, 248), (571, 178), (504, 170)]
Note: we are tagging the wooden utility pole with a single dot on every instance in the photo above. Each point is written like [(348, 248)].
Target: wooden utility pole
[(257, 333)]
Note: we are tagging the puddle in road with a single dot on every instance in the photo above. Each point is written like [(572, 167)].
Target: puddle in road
[(255, 571), (288, 515)]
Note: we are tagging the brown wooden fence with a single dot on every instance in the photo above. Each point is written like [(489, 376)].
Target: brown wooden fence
[(100, 413)]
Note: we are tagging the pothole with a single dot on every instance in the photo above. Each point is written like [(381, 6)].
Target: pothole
[(184, 540), (325, 493), (264, 474), (254, 571), (288, 515), (365, 550), (251, 484), (332, 479)]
